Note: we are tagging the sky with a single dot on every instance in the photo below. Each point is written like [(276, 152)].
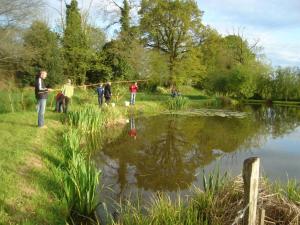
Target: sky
[(274, 24)]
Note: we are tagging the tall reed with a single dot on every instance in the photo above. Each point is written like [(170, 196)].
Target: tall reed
[(88, 119), (80, 178), (177, 103)]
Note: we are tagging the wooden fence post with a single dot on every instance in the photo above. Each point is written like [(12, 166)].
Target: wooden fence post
[(251, 180), (262, 214)]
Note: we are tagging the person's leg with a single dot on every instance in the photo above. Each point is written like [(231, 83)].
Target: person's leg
[(133, 100), (99, 101), (57, 105), (41, 112), (107, 100), (67, 101)]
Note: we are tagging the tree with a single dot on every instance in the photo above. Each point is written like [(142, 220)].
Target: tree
[(44, 44), (14, 16), (75, 44), (125, 18), (171, 27), (16, 11), (97, 70)]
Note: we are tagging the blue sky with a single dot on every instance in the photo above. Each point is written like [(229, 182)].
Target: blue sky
[(275, 24)]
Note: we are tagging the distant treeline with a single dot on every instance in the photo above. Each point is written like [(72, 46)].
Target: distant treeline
[(169, 46)]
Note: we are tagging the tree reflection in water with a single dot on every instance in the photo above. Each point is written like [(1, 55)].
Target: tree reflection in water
[(168, 150)]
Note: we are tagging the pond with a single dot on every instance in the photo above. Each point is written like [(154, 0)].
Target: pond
[(169, 152)]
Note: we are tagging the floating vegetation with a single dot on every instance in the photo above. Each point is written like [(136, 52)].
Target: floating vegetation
[(209, 112)]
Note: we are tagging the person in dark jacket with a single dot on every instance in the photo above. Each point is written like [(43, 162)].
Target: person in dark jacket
[(100, 92), (107, 92), (41, 94)]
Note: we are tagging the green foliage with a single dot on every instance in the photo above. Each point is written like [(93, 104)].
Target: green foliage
[(44, 45), (171, 27), (16, 100), (125, 18), (177, 103), (76, 52), (213, 181), (290, 190), (164, 211), (88, 119), (80, 183)]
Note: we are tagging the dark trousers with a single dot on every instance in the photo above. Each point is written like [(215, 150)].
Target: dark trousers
[(107, 99), (66, 104)]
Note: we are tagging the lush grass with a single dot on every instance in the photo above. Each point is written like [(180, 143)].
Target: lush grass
[(28, 189), (177, 103)]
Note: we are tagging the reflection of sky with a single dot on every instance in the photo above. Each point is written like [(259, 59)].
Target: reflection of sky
[(280, 158)]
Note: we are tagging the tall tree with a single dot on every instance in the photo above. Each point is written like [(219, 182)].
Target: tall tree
[(75, 45), (171, 26), (44, 44), (125, 18)]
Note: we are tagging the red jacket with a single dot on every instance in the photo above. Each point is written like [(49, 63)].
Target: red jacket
[(133, 88)]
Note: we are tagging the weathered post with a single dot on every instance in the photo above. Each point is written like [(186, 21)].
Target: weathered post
[(262, 214), (251, 180)]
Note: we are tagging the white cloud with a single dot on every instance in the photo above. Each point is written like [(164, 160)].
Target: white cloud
[(274, 23)]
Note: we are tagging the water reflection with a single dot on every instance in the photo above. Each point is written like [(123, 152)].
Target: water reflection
[(132, 132), (169, 151)]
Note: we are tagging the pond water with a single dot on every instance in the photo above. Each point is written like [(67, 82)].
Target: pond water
[(169, 152)]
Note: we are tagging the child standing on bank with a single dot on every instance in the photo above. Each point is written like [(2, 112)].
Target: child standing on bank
[(133, 90)]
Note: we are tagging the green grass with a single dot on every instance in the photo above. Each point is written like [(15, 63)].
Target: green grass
[(29, 192), (177, 103)]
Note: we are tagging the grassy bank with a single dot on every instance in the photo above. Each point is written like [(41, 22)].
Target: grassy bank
[(29, 156)]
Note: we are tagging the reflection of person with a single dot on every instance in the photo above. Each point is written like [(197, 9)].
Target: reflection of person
[(107, 92), (41, 94), (133, 89), (100, 92), (132, 132), (68, 91), (60, 98)]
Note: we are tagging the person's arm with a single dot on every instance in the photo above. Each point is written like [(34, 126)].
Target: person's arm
[(72, 91)]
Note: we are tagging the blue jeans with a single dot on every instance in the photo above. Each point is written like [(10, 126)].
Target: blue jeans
[(132, 98), (41, 111), (100, 100)]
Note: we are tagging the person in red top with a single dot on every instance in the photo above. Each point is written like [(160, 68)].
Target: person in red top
[(60, 98), (133, 90)]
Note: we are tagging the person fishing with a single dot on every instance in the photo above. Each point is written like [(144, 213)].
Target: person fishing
[(41, 94), (133, 90), (107, 92), (100, 92), (67, 91)]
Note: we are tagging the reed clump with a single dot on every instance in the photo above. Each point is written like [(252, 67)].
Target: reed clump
[(220, 204), (79, 180), (177, 103)]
